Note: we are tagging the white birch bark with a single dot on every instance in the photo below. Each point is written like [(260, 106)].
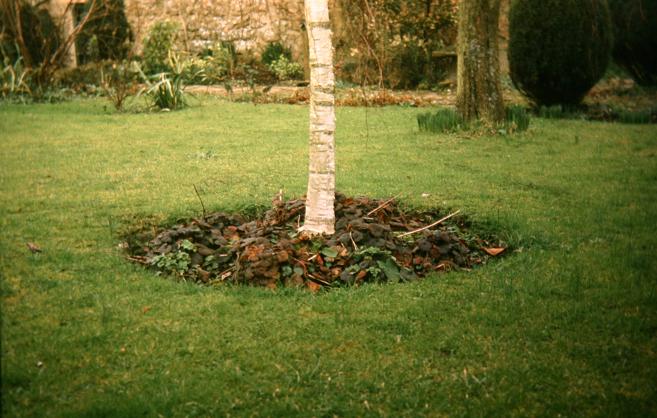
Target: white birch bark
[(320, 215)]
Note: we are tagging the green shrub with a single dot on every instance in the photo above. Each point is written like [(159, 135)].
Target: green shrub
[(558, 49), (444, 120), (215, 65), (635, 38), (273, 51), (119, 82), (284, 69), (107, 34), (158, 46)]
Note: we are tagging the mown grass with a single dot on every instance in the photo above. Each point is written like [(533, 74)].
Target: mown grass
[(566, 325)]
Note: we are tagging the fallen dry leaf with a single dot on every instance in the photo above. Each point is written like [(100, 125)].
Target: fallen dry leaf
[(313, 287), (494, 251), (33, 247)]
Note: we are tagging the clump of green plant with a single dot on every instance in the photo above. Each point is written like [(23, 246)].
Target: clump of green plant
[(448, 120), (166, 90), (217, 64), (558, 49), (442, 121), (638, 116), (274, 51), (635, 38), (284, 69), (158, 46)]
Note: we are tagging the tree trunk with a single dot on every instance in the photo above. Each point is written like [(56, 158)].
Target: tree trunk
[(479, 93), (320, 215)]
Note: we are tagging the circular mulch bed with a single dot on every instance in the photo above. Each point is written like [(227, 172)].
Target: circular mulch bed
[(375, 241)]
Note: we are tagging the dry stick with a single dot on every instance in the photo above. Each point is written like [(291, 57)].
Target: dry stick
[(353, 242), (381, 206), (199, 198), (430, 226), (138, 259)]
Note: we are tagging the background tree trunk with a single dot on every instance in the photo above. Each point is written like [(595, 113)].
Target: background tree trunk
[(479, 93), (320, 215)]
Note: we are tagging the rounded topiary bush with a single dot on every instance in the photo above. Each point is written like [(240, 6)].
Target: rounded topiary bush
[(558, 49), (635, 38)]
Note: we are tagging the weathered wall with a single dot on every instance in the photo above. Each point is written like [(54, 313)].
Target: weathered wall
[(250, 24)]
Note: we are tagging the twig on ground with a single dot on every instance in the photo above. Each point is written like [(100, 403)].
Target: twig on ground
[(439, 221), (199, 198), (353, 242), (138, 259), (381, 206)]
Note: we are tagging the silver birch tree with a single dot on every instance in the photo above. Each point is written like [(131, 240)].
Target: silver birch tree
[(320, 215)]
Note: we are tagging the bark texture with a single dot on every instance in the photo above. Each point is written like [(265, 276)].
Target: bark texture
[(479, 93), (320, 215)]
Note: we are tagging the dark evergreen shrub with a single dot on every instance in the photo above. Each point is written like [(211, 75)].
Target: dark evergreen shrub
[(107, 34), (635, 38), (40, 33), (558, 49)]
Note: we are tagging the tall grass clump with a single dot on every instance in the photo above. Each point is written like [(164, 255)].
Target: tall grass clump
[(517, 119), (447, 120), (557, 112), (638, 117), (444, 120)]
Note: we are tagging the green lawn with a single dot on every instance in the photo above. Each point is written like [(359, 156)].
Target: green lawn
[(566, 325)]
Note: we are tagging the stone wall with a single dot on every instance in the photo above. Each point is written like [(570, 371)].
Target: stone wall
[(250, 24)]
